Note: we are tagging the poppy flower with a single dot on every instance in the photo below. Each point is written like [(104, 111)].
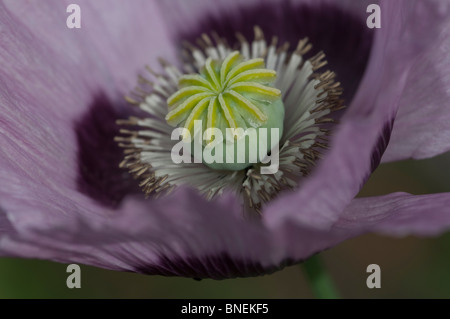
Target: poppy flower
[(63, 196)]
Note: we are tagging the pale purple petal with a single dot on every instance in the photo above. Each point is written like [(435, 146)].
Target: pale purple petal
[(399, 214), (61, 92), (135, 241), (173, 238), (422, 129)]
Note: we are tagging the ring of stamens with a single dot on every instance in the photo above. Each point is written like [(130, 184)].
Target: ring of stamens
[(309, 96)]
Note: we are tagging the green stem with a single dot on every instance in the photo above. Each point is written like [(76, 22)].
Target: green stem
[(320, 281)]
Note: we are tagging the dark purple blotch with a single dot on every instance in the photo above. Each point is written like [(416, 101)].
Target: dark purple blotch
[(99, 155)]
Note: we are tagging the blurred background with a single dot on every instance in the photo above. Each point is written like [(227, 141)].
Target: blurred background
[(410, 267)]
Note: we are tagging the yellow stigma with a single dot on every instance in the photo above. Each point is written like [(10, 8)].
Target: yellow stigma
[(232, 93)]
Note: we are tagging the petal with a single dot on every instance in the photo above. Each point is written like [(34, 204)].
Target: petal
[(61, 91), (399, 214), (167, 241), (174, 237), (421, 128)]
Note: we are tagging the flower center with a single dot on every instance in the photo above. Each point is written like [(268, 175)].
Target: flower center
[(230, 94), (232, 89)]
